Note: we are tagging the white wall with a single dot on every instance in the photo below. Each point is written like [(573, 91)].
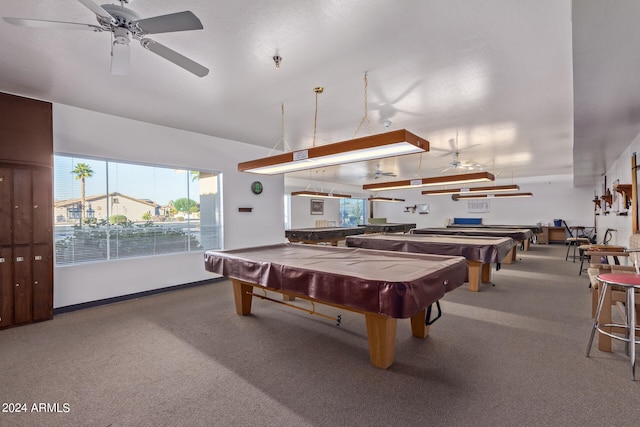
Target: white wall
[(86, 133), (553, 198), (620, 170), (301, 212)]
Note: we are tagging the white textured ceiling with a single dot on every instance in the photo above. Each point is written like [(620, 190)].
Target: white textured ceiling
[(500, 73)]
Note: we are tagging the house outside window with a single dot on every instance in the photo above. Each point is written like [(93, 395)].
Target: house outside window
[(107, 210)]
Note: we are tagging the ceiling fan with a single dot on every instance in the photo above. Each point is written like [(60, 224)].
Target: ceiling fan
[(124, 24), (379, 172), (456, 163)]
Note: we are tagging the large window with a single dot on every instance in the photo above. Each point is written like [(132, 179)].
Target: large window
[(352, 212), (110, 210)]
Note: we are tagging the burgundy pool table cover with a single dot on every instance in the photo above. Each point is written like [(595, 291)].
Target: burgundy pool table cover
[(518, 234), (322, 233), (393, 284), (475, 248)]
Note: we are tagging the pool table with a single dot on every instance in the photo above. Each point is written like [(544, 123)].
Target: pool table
[(390, 227), (382, 285), (518, 234), (317, 235), (479, 251)]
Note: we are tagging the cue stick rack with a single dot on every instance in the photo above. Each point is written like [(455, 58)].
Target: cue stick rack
[(337, 319)]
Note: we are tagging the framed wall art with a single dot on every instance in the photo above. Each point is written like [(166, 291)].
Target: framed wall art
[(317, 207)]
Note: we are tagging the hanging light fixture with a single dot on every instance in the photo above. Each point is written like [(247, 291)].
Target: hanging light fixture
[(438, 180), (321, 194), (472, 190), (384, 199), (388, 144), (490, 196)]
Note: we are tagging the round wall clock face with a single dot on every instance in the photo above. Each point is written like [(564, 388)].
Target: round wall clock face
[(256, 187)]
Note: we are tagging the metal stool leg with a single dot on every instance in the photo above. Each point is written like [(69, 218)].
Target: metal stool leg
[(566, 257), (631, 313), (603, 291)]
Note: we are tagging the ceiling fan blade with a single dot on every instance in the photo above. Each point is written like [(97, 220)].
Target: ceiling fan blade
[(175, 57), (38, 23), (120, 58), (180, 21), (98, 10)]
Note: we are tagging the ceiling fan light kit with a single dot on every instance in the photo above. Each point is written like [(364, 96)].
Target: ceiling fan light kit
[(438, 180), (388, 144), (125, 24), (472, 190)]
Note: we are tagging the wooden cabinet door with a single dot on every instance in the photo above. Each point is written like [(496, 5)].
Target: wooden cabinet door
[(42, 282), (23, 284), (41, 202), (5, 206), (6, 287), (22, 208)]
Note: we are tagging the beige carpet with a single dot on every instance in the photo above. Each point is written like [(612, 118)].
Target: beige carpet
[(510, 355)]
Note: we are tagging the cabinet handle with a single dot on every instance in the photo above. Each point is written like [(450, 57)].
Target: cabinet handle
[(35, 283), (37, 258), (19, 259), (17, 285), (35, 206), (1, 259)]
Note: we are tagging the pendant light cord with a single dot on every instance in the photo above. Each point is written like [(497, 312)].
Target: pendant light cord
[(285, 146), (366, 108), (317, 90)]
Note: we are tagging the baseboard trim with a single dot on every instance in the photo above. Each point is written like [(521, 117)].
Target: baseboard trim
[(97, 303)]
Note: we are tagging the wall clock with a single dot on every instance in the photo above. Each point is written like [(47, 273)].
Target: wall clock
[(256, 187)]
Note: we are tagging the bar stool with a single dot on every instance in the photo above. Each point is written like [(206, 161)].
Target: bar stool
[(630, 283)]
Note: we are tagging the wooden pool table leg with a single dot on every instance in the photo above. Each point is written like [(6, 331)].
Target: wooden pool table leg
[(486, 273), (511, 256), (526, 244), (381, 333), (241, 297), (474, 275), (419, 328)]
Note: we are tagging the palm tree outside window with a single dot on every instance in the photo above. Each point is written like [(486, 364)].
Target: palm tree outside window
[(82, 171)]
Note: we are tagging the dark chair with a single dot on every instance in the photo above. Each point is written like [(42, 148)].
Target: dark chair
[(574, 240)]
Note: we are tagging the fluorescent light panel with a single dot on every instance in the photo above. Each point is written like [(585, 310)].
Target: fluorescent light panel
[(384, 199), (439, 180), (389, 144), (492, 196), (472, 190), (322, 194)]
